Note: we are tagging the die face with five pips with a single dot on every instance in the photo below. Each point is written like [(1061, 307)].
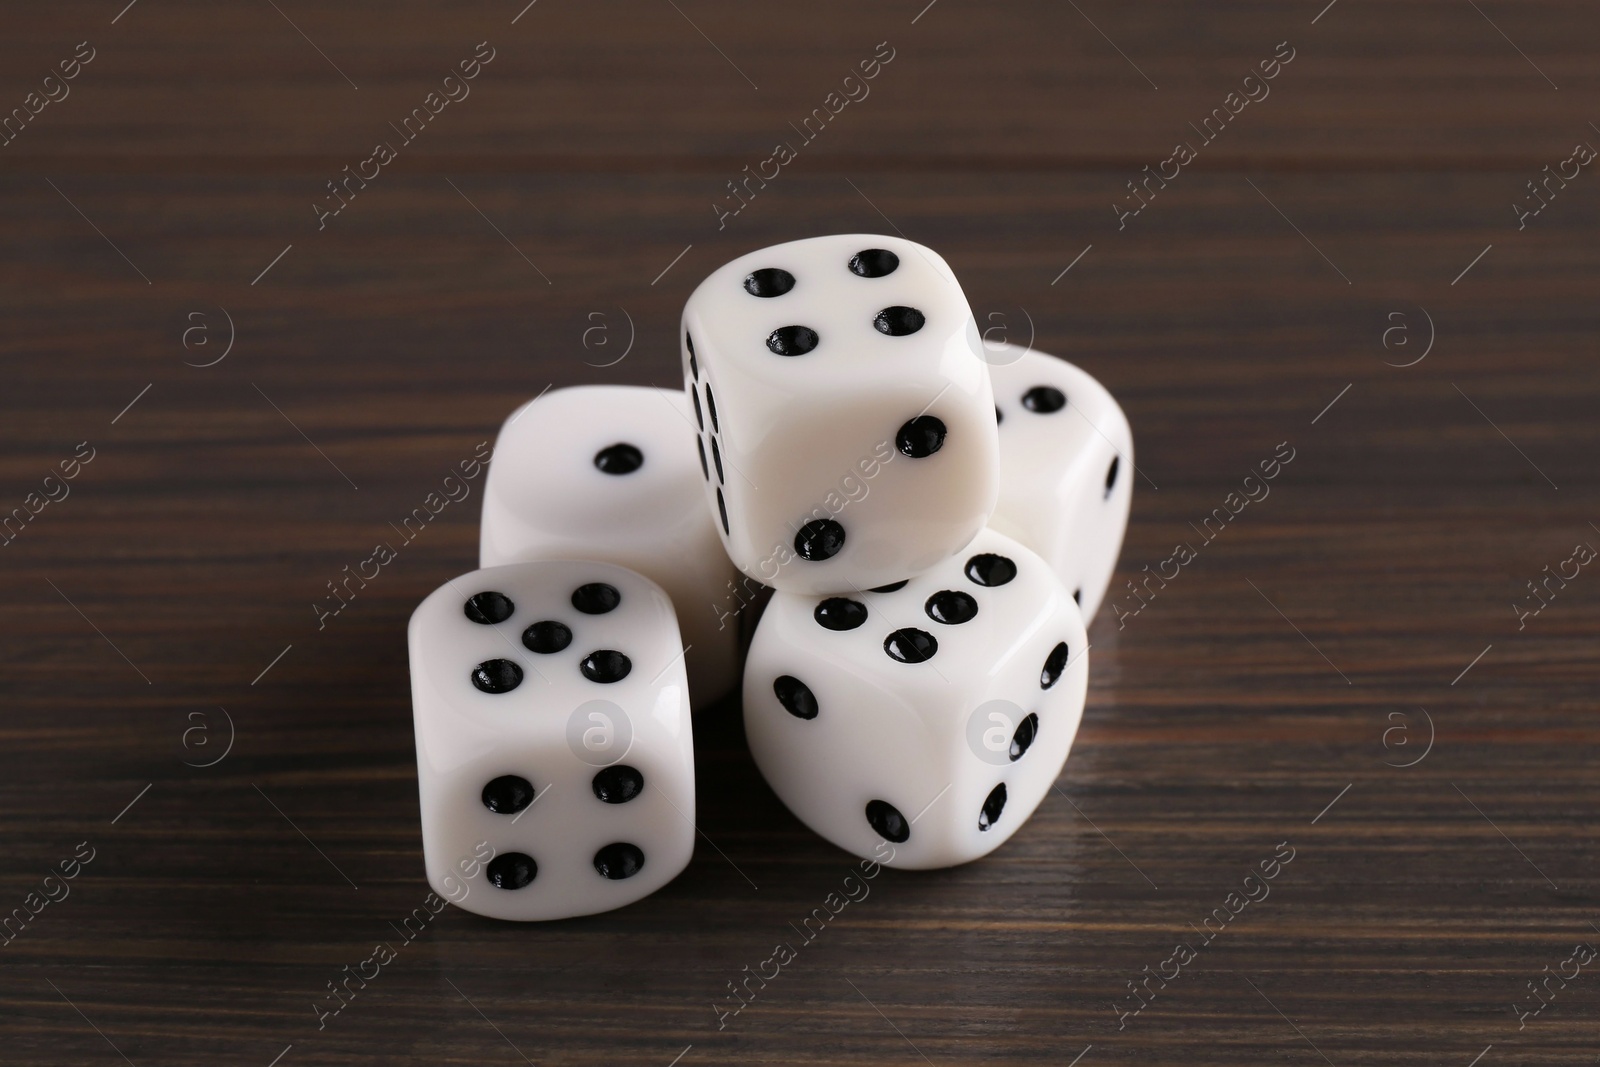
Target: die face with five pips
[(932, 714), (555, 760), (844, 411)]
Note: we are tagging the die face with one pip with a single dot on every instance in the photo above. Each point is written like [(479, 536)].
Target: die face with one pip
[(934, 715), (609, 473), (1066, 468), (845, 410), (552, 724)]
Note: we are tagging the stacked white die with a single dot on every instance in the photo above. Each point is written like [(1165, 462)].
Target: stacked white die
[(917, 680), (927, 510)]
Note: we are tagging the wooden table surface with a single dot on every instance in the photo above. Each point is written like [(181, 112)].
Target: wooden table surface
[(1352, 673)]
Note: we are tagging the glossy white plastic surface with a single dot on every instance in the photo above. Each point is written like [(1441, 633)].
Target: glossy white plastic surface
[(815, 437), (1066, 476), (548, 731), (546, 498), (929, 738)]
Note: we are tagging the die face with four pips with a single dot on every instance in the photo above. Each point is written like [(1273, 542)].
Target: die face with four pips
[(552, 726), (610, 473), (844, 410), (933, 714), (1066, 467)]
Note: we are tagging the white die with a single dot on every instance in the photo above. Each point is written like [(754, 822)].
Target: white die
[(553, 734), (845, 408), (911, 759), (608, 472), (1066, 468)]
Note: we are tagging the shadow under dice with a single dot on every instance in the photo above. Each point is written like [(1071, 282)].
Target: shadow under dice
[(1066, 468), (554, 754), (845, 418), (920, 723), (609, 473)]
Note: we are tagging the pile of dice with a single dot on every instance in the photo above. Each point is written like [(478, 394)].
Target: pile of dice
[(934, 519)]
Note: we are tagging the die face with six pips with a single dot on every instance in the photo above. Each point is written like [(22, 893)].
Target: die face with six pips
[(933, 714), (552, 724), (844, 411)]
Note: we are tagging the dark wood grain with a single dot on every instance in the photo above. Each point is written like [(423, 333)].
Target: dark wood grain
[(1276, 675)]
